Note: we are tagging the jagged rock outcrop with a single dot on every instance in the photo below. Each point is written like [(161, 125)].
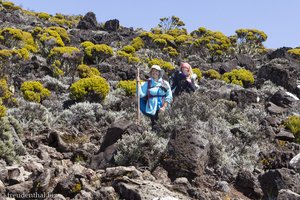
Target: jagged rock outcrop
[(88, 22), (112, 25)]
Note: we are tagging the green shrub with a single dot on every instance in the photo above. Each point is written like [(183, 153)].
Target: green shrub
[(59, 16), (212, 74), (147, 35), (5, 54), (295, 53), (163, 64), (16, 38), (165, 37), (128, 86), (137, 43), (129, 57), (215, 42), (99, 52), (161, 43), (292, 123), (48, 35), (181, 39), (8, 60), (62, 22), (93, 89), (240, 77), (13, 55), (57, 52), (249, 41), (2, 111), (34, 91), (86, 44), (43, 15), (62, 33), (7, 151), (123, 54), (171, 51), (10, 144), (69, 58), (86, 71), (30, 13), (56, 71), (5, 94), (140, 149), (22, 53), (133, 59), (128, 49), (251, 36), (177, 32), (10, 6), (198, 73), (170, 23), (49, 38)]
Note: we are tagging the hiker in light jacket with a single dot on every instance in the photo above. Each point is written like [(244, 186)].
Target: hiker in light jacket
[(155, 94)]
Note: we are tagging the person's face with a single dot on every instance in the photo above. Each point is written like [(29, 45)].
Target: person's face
[(185, 71), (154, 73)]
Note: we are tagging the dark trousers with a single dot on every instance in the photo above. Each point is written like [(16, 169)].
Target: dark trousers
[(153, 118)]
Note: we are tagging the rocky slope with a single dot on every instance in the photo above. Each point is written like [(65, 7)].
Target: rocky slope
[(232, 139)]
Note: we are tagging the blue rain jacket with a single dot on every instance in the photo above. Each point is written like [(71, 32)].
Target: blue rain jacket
[(155, 103)]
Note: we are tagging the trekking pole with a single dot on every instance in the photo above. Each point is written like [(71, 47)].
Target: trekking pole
[(138, 95)]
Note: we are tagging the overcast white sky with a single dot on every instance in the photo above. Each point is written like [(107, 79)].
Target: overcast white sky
[(277, 18)]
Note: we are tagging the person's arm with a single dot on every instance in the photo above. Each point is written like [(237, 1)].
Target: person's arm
[(191, 83), (143, 89), (168, 97), (192, 86)]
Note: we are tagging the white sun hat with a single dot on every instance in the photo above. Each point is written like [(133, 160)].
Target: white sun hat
[(157, 67)]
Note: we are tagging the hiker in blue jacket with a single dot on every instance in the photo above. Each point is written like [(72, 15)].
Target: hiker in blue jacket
[(155, 94)]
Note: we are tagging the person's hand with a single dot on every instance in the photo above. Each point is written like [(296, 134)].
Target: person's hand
[(189, 80), (162, 109)]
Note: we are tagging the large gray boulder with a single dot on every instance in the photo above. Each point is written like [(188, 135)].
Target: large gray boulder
[(275, 180), (186, 155), (282, 75)]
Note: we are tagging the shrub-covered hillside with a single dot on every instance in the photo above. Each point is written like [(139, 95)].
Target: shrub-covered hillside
[(68, 112)]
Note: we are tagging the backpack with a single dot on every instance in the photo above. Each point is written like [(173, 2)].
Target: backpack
[(173, 80)]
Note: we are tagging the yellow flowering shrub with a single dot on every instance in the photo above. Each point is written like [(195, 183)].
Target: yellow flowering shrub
[(163, 64), (212, 74), (99, 52), (86, 44), (16, 38), (93, 89), (137, 43), (292, 123), (86, 71), (69, 58), (34, 91), (129, 86), (43, 15), (198, 73), (240, 77), (2, 111)]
